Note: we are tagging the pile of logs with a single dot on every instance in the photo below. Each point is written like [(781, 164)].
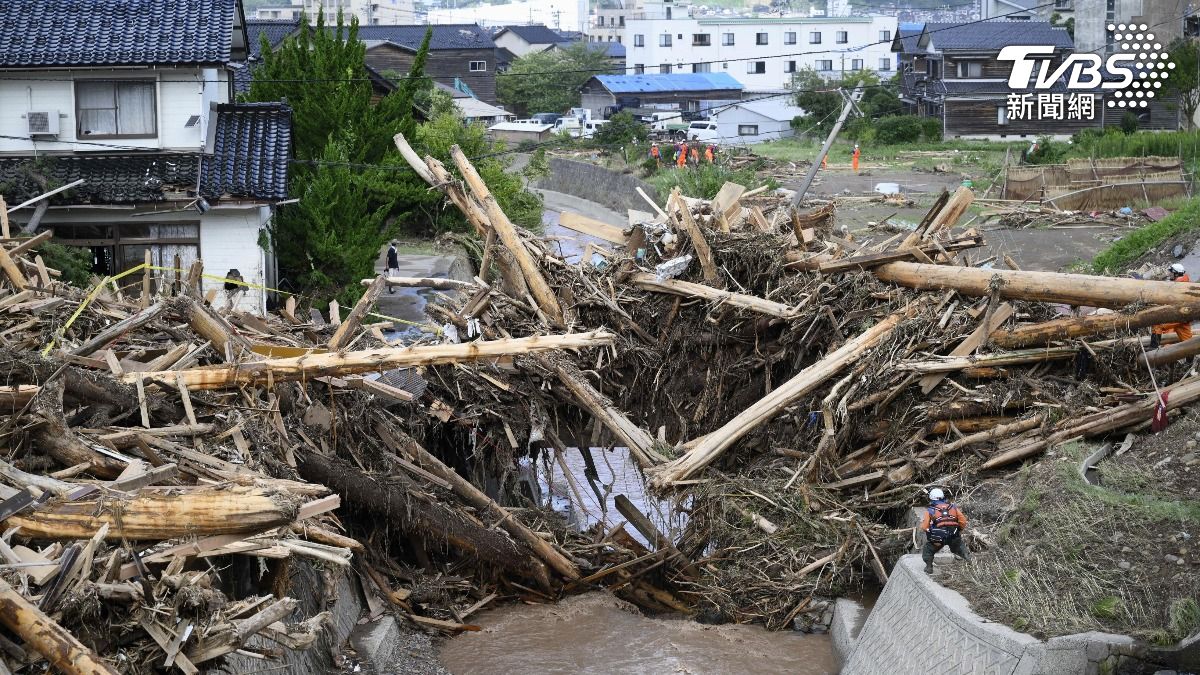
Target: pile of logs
[(793, 388)]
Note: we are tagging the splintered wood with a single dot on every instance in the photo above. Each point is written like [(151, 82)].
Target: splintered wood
[(787, 386)]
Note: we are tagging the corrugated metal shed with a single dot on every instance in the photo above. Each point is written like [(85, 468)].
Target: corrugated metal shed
[(674, 82)]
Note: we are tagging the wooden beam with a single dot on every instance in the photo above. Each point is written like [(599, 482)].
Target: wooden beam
[(507, 233), (426, 282), (155, 516), (1071, 289), (638, 440), (486, 505), (691, 290), (369, 360), (699, 243), (58, 645), (345, 332), (968, 346), (11, 270), (1071, 327), (804, 382), (591, 227), (118, 329), (1179, 394)]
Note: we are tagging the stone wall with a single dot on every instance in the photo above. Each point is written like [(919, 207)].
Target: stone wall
[(617, 191), (917, 623)]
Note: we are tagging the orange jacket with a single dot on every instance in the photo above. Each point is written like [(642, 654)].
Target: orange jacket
[(957, 512)]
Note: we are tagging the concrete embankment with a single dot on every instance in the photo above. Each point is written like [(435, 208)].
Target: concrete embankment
[(614, 190), (918, 623)]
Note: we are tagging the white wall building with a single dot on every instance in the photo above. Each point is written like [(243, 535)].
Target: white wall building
[(170, 166), (569, 15), (369, 12), (753, 121), (761, 53)]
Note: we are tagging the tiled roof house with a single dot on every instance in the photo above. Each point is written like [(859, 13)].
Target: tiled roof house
[(136, 99)]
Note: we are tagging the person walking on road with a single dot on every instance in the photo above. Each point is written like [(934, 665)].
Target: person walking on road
[(943, 524), (393, 264), (854, 159), (1183, 329)]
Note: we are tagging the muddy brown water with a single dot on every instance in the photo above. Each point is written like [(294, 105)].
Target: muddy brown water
[(598, 634)]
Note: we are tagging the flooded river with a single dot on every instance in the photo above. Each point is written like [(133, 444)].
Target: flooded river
[(598, 634)]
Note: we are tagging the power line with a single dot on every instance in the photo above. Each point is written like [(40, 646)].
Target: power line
[(844, 50)]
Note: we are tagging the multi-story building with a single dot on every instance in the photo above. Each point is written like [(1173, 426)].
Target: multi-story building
[(761, 53), (607, 22), (1164, 18), (369, 12)]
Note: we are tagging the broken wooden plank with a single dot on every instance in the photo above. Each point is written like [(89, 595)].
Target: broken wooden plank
[(345, 332), (689, 289), (968, 346), (591, 227)]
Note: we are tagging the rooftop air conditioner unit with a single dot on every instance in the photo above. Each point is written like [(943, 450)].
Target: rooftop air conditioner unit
[(44, 123)]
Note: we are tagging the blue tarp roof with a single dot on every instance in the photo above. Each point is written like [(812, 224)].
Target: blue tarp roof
[(633, 84)]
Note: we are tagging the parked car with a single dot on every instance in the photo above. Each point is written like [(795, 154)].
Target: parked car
[(577, 128), (703, 131), (546, 118)]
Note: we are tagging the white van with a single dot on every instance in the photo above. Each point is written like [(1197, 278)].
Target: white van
[(703, 131), (577, 128)]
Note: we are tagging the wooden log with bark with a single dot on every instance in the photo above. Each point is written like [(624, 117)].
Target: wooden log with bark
[(156, 515), (395, 499), (1072, 289), (476, 498), (62, 649), (507, 233), (1068, 328), (345, 332)]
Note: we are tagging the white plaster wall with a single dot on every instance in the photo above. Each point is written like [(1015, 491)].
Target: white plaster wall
[(682, 54), (181, 93), (228, 239)]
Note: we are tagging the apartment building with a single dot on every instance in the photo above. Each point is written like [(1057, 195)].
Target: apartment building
[(1165, 18), (607, 21), (761, 53), (369, 12)]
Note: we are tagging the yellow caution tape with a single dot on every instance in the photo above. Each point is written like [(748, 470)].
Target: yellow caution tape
[(107, 280)]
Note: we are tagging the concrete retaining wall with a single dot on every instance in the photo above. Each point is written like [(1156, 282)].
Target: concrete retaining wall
[(918, 626), (617, 191)]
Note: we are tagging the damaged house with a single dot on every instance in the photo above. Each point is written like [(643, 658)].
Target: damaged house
[(131, 102)]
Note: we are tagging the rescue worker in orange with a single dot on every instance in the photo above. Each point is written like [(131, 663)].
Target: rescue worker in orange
[(695, 155), (681, 159), (854, 161), (708, 154), (943, 524), (1182, 330), (656, 154)]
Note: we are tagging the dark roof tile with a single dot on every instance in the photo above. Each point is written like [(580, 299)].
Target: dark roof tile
[(35, 33), (996, 34), (537, 34), (249, 161), (276, 31)]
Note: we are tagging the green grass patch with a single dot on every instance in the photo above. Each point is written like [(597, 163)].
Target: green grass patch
[(1125, 251), (705, 180)]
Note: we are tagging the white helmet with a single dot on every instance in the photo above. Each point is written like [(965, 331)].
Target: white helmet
[(1178, 269), (936, 494)]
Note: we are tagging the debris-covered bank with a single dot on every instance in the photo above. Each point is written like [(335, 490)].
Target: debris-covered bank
[(166, 458)]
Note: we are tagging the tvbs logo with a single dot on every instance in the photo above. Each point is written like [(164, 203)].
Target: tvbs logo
[(1133, 75)]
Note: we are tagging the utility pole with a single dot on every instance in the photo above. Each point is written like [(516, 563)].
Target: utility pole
[(847, 106)]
